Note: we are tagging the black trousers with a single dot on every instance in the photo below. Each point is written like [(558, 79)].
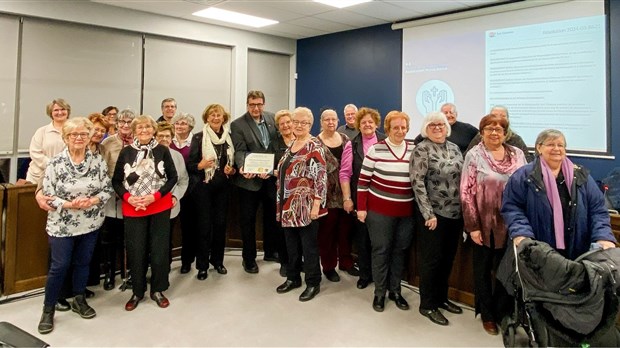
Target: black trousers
[(273, 239), (390, 238), (148, 235), (361, 240), (112, 243), (307, 238), (212, 205), (437, 251), (492, 300)]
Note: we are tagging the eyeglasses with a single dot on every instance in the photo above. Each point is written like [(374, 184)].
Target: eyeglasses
[(144, 127), (301, 123), (100, 130), (122, 122), (74, 136), (553, 146), (491, 130), (180, 123), (257, 105), (164, 136), (436, 125)]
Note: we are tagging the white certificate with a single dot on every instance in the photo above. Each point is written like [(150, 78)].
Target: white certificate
[(258, 163)]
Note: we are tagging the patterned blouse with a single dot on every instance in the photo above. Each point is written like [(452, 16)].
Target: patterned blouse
[(332, 163), (65, 182), (435, 173), (482, 185), (302, 177)]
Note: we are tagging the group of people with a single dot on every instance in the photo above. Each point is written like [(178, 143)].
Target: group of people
[(116, 179)]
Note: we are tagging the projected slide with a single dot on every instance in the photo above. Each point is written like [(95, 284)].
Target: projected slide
[(550, 75), (547, 64)]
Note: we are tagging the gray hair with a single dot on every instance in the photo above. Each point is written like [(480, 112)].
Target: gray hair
[(184, 116), (501, 107), (451, 106), (126, 113), (77, 122), (344, 110), (327, 111), (303, 111), (433, 117), (549, 134)]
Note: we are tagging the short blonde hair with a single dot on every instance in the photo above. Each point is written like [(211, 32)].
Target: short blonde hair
[(164, 126), (215, 107), (74, 123), (303, 111), (280, 114), (435, 117), (60, 102), (143, 119)]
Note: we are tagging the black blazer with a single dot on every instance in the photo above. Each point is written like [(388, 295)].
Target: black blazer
[(246, 138)]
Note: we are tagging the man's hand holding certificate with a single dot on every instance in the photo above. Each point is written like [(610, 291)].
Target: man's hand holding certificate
[(258, 163)]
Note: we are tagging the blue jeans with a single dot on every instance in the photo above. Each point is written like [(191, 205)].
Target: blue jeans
[(65, 252)]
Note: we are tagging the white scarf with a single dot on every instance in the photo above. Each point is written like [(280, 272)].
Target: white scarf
[(209, 138)]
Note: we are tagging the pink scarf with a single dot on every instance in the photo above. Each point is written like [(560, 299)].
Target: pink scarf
[(554, 196)]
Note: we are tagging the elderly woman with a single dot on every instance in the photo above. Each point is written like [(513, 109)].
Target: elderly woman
[(385, 204), (100, 127), (144, 178), (556, 201), (284, 139), (164, 136), (367, 121), (486, 169), (512, 138), (47, 141), (334, 229), (110, 114), (301, 194), (183, 124), (435, 172), (210, 165), (112, 234), (77, 183)]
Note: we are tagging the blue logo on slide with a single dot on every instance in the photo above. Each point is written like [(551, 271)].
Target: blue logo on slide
[(431, 95)]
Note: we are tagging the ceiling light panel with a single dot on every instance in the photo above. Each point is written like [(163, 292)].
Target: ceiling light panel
[(341, 3), (234, 17)]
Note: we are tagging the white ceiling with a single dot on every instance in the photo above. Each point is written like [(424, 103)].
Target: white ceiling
[(300, 19)]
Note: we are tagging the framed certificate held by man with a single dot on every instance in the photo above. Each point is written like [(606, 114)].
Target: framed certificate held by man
[(258, 163)]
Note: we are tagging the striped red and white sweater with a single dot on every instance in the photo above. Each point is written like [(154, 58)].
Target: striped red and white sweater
[(384, 186)]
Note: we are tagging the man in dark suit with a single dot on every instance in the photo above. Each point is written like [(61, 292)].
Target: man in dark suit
[(255, 131)]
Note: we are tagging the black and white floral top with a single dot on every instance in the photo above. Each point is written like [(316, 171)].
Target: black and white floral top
[(66, 181), (435, 173)]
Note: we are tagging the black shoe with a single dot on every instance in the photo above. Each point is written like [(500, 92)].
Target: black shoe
[(362, 283), (62, 305), (46, 324), (332, 275), (108, 282), (451, 307), (250, 266), (435, 316), (353, 271), (288, 286), (202, 275), (185, 269), (401, 303), (283, 267), (272, 257), (81, 307), (221, 269), (88, 293), (309, 293), (378, 303)]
